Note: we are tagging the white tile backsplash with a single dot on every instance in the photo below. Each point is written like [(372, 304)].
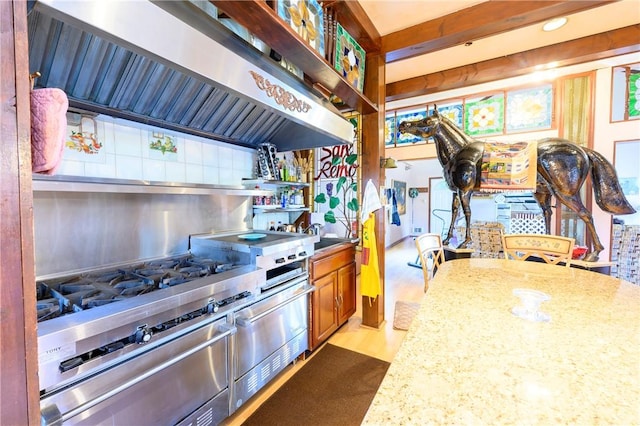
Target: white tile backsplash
[(210, 155), (225, 156), (176, 172), (193, 151), (127, 140), (105, 170), (153, 170), (126, 155), (210, 175), (107, 136), (128, 167), (194, 173), (71, 168)]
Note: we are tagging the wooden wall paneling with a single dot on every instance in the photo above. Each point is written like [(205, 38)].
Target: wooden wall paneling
[(19, 398), (373, 150)]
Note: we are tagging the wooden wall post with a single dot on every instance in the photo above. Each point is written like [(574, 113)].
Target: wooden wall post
[(19, 399), (373, 150)]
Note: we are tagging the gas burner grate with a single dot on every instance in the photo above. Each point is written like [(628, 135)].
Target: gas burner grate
[(72, 294)]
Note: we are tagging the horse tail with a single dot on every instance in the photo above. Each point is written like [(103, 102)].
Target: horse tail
[(607, 189)]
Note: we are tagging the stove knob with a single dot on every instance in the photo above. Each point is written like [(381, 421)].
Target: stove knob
[(213, 307), (291, 256), (280, 260), (143, 335), (302, 254)]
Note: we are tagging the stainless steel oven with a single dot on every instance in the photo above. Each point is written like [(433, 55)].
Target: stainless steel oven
[(270, 335), (157, 387), (273, 331)]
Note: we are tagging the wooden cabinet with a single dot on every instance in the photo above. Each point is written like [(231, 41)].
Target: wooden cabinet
[(333, 273), (346, 292)]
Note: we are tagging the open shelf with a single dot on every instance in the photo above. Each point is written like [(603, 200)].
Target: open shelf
[(264, 23), (87, 184)]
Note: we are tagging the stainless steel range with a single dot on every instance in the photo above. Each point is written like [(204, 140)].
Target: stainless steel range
[(272, 332), (172, 340)]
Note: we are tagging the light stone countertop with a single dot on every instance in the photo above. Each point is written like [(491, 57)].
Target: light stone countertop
[(467, 360)]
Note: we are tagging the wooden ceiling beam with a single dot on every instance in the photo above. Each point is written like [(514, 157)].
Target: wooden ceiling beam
[(355, 20), (591, 48), (474, 23)]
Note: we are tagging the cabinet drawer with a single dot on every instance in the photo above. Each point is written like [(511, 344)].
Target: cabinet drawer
[(331, 263)]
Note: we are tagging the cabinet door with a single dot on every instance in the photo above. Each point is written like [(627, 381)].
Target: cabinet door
[(324, 308), (346, 292)]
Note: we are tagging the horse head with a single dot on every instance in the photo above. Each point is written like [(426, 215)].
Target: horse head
[(422, 128)]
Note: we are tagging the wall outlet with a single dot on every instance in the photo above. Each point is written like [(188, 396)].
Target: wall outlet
[(417, 230)]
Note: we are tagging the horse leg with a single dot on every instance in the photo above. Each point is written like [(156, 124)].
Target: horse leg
[(574, 203), (465, 200), (455, 204), (544, 201)]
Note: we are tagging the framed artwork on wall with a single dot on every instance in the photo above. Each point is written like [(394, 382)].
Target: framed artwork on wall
[(401, 195)]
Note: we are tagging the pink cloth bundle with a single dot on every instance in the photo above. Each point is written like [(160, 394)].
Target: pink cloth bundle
[(48, 129)]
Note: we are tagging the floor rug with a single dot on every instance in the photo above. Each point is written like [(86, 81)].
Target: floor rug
[(404, 314), (334, 387)]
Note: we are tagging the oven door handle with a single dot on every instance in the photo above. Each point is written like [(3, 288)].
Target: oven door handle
[(246, 322), (224, 329)]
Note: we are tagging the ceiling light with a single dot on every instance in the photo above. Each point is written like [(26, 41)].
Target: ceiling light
[(554, 24)]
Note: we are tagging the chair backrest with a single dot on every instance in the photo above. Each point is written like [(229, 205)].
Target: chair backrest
[(431, 255), (550, 248), (486, 239)]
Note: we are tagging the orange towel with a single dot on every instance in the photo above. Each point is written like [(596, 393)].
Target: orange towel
[(48, 129)]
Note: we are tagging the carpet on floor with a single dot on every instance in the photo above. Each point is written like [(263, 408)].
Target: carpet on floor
[(334, 387), (404, 314)]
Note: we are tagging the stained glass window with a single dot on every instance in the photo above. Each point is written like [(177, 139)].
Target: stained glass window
[(452, 111), (390, 129), (529, 109), (625, 92), (406, 138), (634, 95), (484, 116)]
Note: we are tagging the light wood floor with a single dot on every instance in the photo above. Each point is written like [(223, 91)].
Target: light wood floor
[(402, 282)]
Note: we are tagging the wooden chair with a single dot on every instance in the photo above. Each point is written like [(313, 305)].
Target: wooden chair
[(550, 248), (431, 255)]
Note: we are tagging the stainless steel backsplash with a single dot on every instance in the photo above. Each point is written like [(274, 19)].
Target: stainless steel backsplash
[(76, 231)]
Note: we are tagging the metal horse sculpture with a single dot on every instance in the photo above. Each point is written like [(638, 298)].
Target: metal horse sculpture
[(562, 168)]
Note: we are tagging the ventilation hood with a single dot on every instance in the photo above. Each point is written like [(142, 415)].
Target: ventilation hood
[(169, 64)]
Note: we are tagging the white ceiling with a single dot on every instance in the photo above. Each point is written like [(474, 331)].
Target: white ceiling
[(393, 15)]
